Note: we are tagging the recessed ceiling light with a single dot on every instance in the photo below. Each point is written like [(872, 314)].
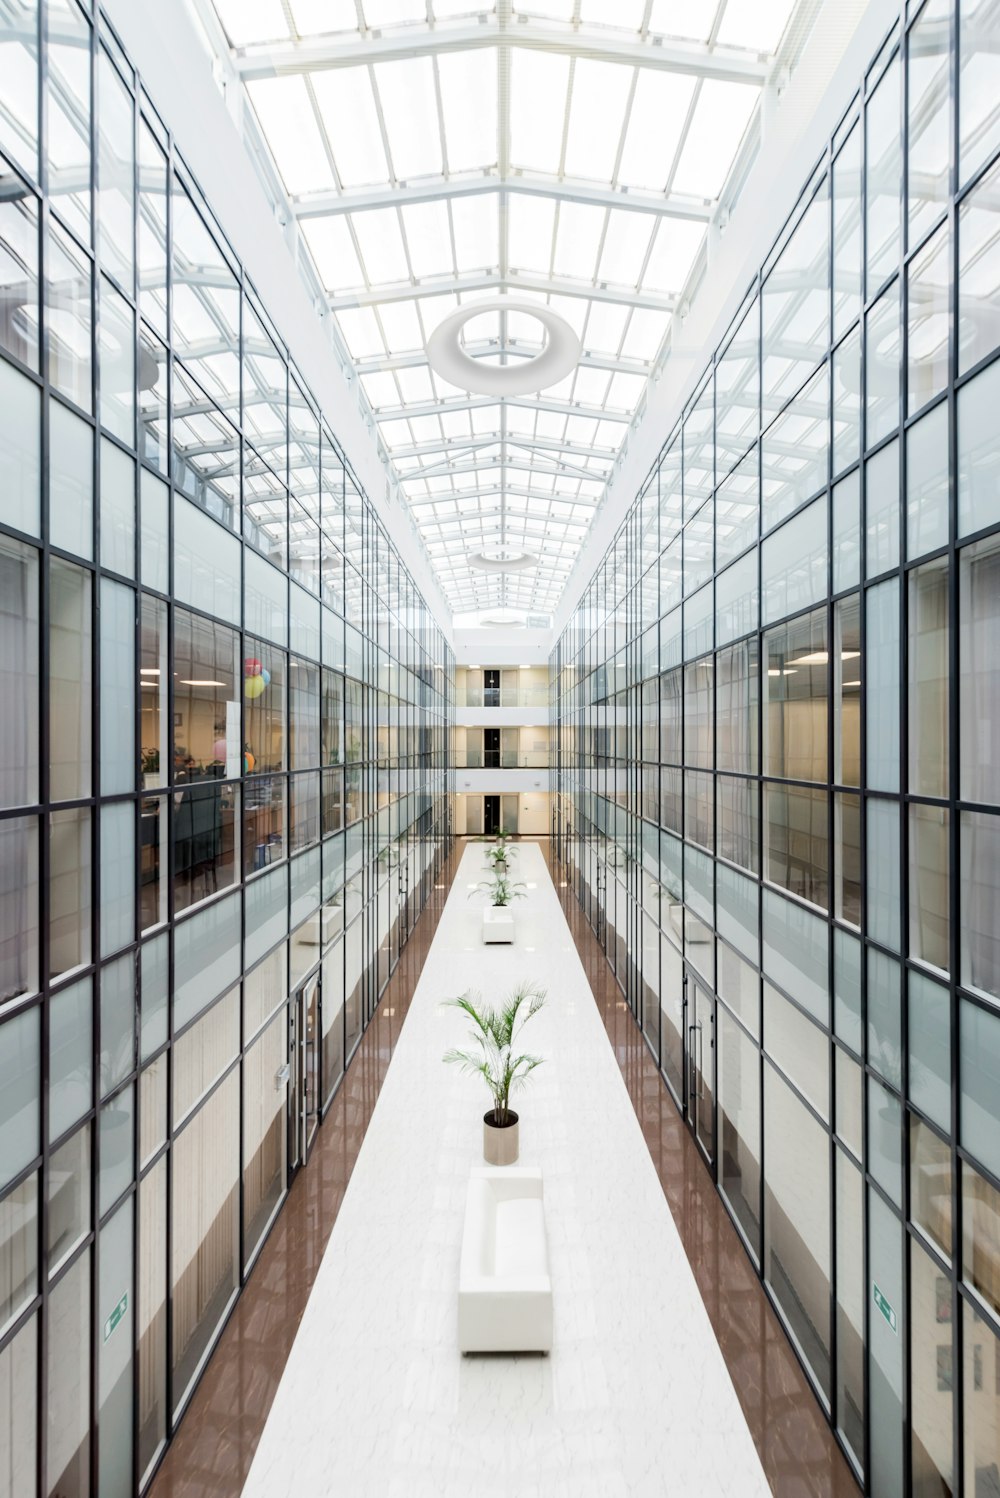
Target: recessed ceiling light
[(192, 683)]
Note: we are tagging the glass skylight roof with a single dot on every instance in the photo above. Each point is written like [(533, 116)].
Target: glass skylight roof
[(436, 154)]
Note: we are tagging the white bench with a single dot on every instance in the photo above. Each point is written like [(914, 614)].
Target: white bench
[(498, 924), (504, 1290)]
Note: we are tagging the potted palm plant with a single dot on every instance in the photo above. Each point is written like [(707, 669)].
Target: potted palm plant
[(497, 1030), (498, 918), (499, 852)]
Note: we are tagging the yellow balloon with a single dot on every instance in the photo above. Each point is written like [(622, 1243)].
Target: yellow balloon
[(253, 686)]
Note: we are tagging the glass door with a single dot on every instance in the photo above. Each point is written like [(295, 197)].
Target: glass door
[(303, 1089), (701, 1065)]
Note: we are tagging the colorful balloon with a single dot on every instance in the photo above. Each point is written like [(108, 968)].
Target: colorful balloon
[(254, 686), (219, 749), (265, 677), (251, 666), (248, 762)]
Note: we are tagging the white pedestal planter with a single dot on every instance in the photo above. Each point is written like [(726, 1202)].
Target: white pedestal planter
[(498, 923)]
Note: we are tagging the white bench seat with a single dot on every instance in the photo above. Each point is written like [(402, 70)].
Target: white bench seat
[(504, 1292)]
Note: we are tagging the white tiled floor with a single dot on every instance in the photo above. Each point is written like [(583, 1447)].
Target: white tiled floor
[(635, 1398)]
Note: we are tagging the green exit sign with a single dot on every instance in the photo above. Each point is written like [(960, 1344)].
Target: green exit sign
[(884, 1306), (116, 1317)]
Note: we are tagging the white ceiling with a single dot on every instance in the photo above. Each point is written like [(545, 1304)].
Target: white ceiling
[(573, 153)]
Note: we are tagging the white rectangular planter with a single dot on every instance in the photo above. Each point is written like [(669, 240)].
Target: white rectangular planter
[(504, 1289), (498, 923)]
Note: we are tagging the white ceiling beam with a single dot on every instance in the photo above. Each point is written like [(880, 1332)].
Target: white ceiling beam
[(459, 445), (544, 463), (385, 363), (492, 491), (528, 184), (399, 43), (491, 280), (481, 402)]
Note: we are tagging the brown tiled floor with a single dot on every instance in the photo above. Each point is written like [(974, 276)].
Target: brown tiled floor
[(212, 1451)]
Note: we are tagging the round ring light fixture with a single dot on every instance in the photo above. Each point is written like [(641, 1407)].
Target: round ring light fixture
[(485, 562), (447, 358)]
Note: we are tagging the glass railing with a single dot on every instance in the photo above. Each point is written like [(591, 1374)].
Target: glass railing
[(503, 697), (503, 759)]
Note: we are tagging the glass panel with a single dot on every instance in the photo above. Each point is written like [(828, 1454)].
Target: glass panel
[(979, 680), (19, 1404), (20, 449), (979, 1063), (18, 674), (205, 1228), (71, 481), (116, 1138), (739, 1122), (19, 139), (69, 890), (978, 272), (930, 1048), (70, 681), (264, 1131), (18, 259), (882, 692), (796, 953), (928, 125), (847, 233), (886, 1341), (850, 1306), (118, 677), (930, 850), (115, 1311), (980, 896), (847, 533), (795, 686), (978, 455), (68, 1379), (117, 510), (928, 288), (116, 347), (116, 199), (928, 672), (118, 1016), (69, 320), (882, 510), (848, 1082), (152, 1315), (931, 1188), (69, 1197), (117, 876), (882, 363), (797, 1236), (982, 1404), (796, 851), (794, 564), (799, 1047), (882, 122), (927, 482), (70, 1056), (202, 1053), (978, 88), (981, 1236), (18, 1249), (932, 1380), (882, 863)]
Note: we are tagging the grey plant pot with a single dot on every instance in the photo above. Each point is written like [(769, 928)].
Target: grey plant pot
[(500, 1145)]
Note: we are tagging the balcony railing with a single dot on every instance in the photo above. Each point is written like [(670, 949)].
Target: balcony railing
[(502, 759), (477, 696)]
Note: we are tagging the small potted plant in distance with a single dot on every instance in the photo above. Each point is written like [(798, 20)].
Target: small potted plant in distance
[(497, 1029), (498, 918), (500, 852)]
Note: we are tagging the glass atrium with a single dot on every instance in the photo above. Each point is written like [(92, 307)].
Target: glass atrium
[(251, 536)]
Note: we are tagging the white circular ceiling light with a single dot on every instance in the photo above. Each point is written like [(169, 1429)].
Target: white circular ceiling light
[(495, 559), (447, 357)]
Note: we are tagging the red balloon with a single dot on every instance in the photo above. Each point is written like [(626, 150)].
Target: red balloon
[(251, 666)]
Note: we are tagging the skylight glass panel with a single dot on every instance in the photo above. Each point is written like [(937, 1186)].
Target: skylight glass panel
[(315, 17), (395, 433), (456, 423), (401, 326), (346, 104), (659, 109), (476, 226), (392, 12), (428, 238), (626, 241), (550, 424), (596, 118), (360, 332), (625, 15), (581, 430), (757, 24), (425, 428), (573, 309), (557, 10), (434, 309), (720, 119), (693, 19), (409, 108), (380, 389), (644, 334), (591, 385), (249, 21), (674, 249), (468, 82), (416, 384), (530, 222), (286, 116), (381, 245), (578, 240), (332, 248), (538, 104)]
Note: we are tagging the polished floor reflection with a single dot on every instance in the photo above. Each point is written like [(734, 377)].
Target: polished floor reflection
[(796, 1445), (214, 1447)]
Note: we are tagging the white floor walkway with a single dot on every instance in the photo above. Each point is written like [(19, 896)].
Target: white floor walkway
[(635, 1398)]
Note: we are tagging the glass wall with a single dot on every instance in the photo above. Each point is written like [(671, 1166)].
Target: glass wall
[(776, 710), (222, 766)]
